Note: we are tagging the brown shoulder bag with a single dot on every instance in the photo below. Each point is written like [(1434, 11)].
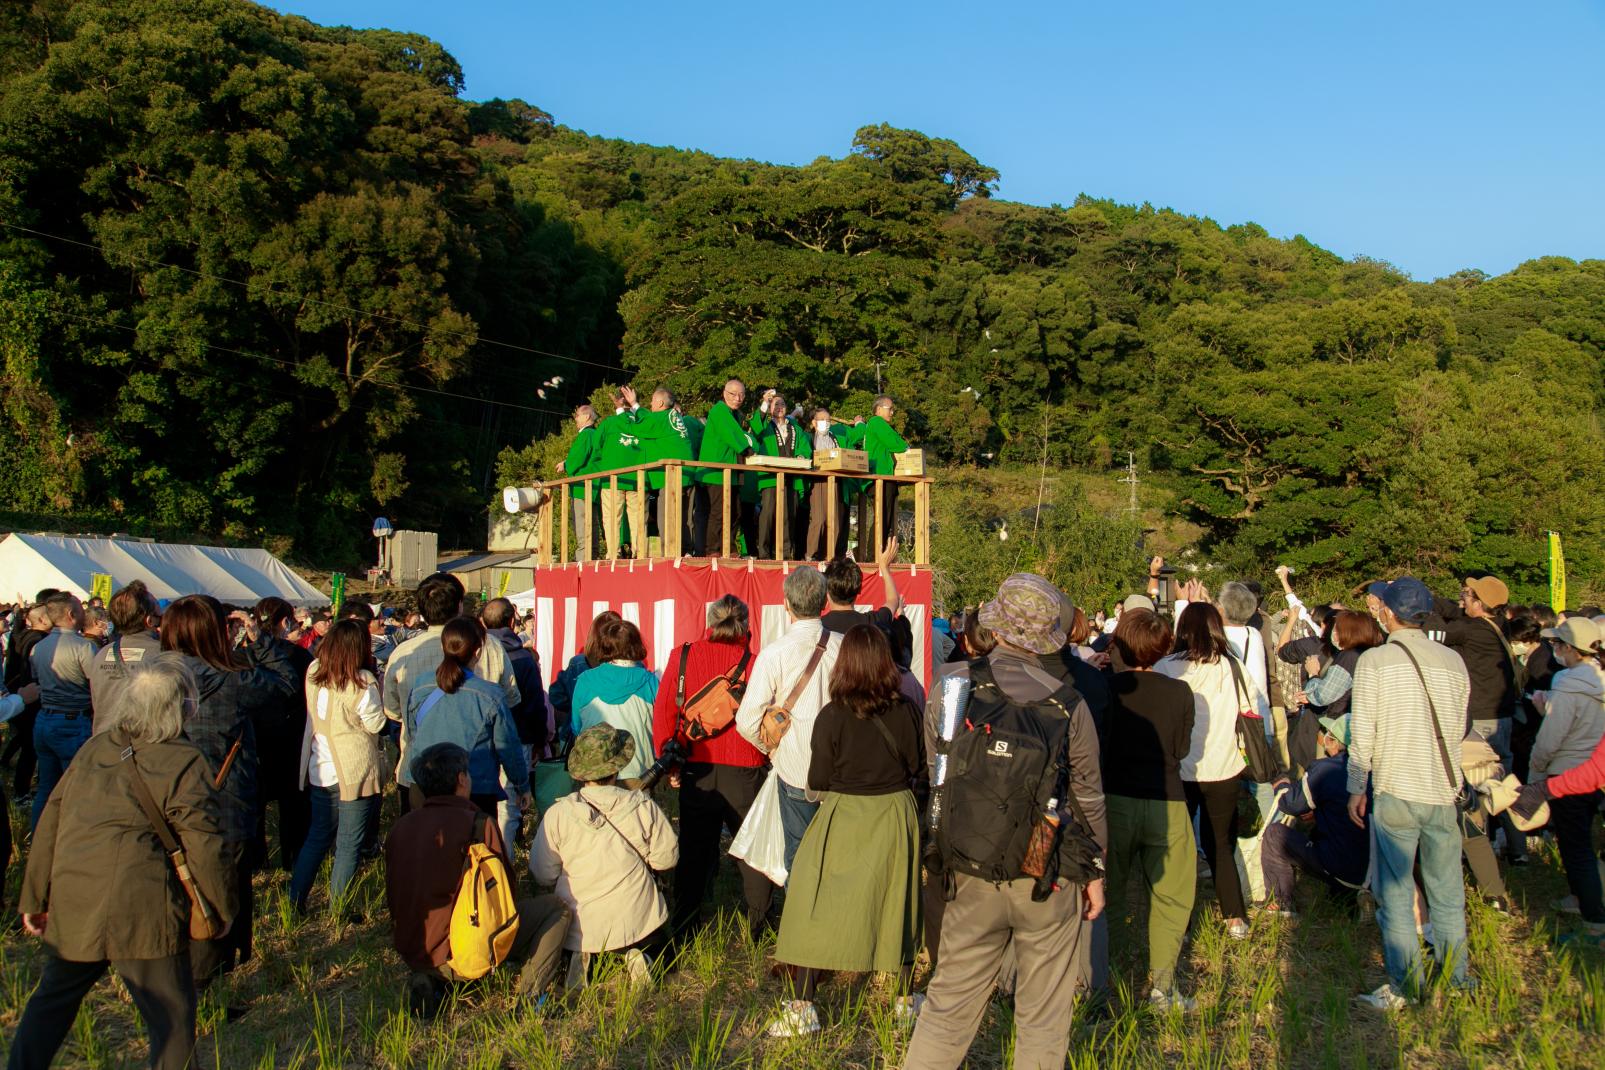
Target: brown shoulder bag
[(204, 924), (776, 720)]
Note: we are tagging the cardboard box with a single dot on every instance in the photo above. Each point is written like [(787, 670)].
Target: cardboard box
[(841, 461), (910, 463)]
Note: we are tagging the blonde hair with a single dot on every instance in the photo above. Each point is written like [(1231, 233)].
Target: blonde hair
[(159, 694)]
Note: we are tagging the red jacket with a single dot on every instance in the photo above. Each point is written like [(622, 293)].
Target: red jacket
[(1579, 779), (707, 659)]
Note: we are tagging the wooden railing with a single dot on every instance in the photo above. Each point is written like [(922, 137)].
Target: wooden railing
[(556, 501)]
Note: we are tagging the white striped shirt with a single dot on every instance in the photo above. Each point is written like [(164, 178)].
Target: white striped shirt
[(1391, 733)]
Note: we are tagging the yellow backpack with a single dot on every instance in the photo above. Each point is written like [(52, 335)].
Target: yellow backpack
[(484, 920)]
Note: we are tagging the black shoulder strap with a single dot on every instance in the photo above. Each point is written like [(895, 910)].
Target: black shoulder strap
[(1432, 710), (891, 744), (1238, 685), (679, 687)]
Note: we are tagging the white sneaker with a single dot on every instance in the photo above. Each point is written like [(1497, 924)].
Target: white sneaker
[(1568, 905), (638, 967), (1386, 998), (1237, 929), (907, 1008), (797, 1018), (1165, 1002)]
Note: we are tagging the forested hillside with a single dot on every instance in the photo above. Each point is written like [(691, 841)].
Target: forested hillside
[(259, 276)]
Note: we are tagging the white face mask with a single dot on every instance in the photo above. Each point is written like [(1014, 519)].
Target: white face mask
[(822, 425)]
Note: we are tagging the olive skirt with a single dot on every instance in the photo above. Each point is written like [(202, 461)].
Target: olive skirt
[(853, 894)]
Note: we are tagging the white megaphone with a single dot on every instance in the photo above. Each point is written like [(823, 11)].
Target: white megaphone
[(521, 499)]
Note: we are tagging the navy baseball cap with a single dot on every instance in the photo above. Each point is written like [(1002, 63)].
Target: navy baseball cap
[(1377, 589), (1409, 599)]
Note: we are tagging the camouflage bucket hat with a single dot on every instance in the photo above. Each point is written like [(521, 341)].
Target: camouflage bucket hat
[(1026, 614), (599, 752)]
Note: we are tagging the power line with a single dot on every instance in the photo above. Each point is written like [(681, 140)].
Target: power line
[(292, 364), (313, 300)]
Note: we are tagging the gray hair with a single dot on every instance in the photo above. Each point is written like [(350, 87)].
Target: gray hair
[(666, 394), (1237, 603), (728, 619), (159, 694), (880, 400), (805, 593)]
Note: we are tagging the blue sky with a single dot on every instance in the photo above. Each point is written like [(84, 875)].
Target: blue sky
[(1436, 136)]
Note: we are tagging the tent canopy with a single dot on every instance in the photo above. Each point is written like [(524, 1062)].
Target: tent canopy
[(30, 563)]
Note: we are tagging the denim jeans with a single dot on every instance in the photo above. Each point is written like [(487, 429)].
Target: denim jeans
[(508, 815), (56, 738), (1402, 828), (336, 824), (1497, 733), (795, 814)]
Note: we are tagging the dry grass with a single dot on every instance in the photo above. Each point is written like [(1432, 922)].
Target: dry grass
[(324, 996)]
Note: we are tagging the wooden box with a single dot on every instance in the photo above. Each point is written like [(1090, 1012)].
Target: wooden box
[(909, 463), (801, 464), (841, 461)]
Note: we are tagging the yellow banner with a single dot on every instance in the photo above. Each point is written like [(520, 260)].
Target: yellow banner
[(501, 590), (100, 586), (1557, 573)]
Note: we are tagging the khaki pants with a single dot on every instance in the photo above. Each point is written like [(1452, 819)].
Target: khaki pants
[(820, 508), (628, 502), (1155, 838), (980, 923), (543, 922), (582, 529)]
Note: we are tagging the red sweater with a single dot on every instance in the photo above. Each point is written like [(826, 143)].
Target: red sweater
[(706, 660), (1579, 779)]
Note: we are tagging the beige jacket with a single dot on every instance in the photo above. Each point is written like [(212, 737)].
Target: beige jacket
[(349, 720), (606, 881)]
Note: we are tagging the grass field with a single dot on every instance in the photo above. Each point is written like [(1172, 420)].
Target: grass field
[(323, 996)]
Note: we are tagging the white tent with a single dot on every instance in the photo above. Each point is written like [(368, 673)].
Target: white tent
[(30, 563)]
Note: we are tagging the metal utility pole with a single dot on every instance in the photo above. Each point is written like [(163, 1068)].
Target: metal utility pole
[(1131, 480)]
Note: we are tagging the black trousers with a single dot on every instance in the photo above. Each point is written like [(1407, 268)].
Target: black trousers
[(766, 526), (867, 550), (1572, 820), (5, 844), (19, 745), (295, 818), (713, 508), (713, 798), (1218, 831), (210, 959), (163, 990)]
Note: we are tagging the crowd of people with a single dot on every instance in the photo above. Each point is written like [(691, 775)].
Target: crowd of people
[(995, 822), (664, 431)]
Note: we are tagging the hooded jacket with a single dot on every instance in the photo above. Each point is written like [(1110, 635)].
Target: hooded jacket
[(229, 704), (1574, 720), (529, 713), (619, 693), (598, 849)]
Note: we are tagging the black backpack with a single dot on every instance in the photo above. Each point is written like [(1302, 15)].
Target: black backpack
[(1003, 769)]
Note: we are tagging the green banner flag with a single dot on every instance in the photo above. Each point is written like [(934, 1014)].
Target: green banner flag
[(100, 586), (337, 592)]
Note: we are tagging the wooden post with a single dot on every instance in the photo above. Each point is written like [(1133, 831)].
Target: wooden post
[(674, 486), (543, 525), (781, 490), (922, 522), (724, 506), (880, 522), (590, 521), (643, 548), (612, 538), (832, 509), (563, 506)]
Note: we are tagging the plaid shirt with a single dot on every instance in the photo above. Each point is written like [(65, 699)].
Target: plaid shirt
[(1390, 721)]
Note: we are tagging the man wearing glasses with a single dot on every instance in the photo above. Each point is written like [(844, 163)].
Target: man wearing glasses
[(724, 441)]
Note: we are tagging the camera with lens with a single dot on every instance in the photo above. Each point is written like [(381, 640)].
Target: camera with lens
[(674, 754)]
